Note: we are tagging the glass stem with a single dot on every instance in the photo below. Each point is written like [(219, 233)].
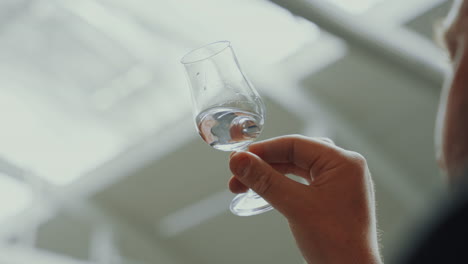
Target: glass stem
[(252, 194)]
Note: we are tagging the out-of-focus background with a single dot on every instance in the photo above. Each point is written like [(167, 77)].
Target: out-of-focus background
[(99, 158)]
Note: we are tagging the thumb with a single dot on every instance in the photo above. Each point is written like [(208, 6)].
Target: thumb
[(280, 191)]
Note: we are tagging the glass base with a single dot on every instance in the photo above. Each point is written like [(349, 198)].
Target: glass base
[(249, 203)]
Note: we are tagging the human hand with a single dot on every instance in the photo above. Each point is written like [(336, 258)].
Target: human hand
[(332, 218)]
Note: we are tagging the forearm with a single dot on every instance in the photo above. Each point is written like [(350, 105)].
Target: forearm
[(352, 254), (337, 248)]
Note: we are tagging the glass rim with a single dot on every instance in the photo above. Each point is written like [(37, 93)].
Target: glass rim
[(186, 58)]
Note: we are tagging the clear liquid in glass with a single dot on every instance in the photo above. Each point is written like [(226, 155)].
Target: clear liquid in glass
[(229, 128)]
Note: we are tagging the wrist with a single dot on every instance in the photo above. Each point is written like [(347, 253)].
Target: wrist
[(339, 249), (351, 255)]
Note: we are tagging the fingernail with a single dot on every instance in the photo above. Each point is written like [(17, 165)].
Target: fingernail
[(242, 166)]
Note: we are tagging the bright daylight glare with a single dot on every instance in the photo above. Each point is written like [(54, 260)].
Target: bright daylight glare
[(355, 6), (16, 197), (118, 86)]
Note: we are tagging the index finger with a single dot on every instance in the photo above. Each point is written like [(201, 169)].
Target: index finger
[(301, 151)]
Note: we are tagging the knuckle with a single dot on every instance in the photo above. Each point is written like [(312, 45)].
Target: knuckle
[(357, 161), (296, 137), (357, 158), (327, 140)]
